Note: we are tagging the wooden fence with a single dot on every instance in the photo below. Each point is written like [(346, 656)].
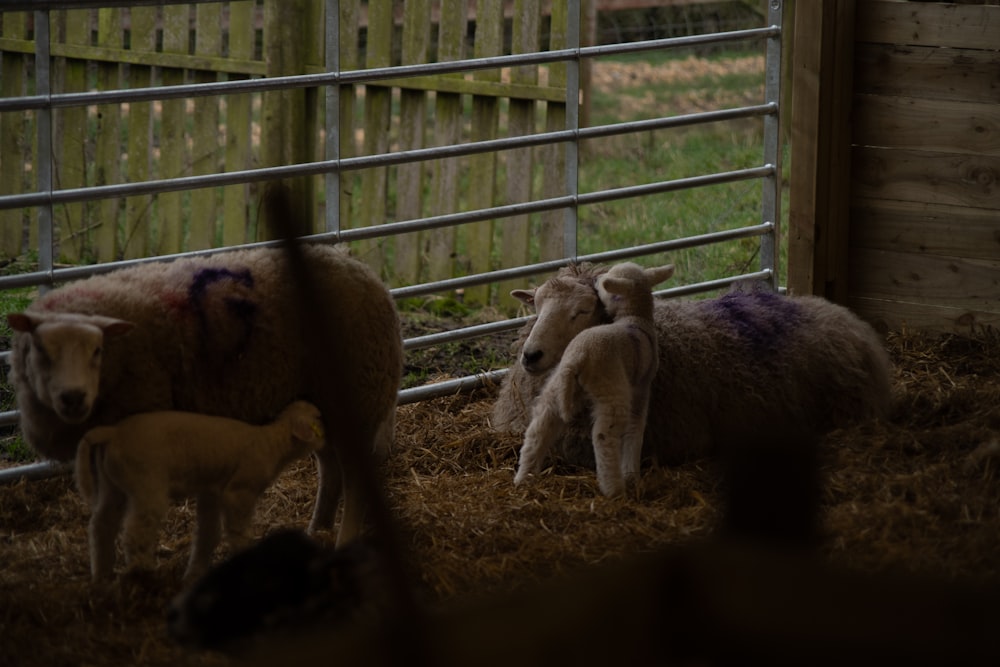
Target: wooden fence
[(152, 46)]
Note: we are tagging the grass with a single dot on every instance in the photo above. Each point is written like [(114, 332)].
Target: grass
[(12, 446)]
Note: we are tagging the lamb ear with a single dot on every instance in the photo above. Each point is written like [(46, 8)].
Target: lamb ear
[(308, 430), (616, 285), (22, 322), (524, 296), (659, 274)]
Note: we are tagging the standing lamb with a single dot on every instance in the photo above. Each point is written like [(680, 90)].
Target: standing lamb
[(220, 335), (133, 469), (613, 364), (728, 366)]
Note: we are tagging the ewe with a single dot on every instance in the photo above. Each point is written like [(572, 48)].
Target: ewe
[(133, 469), (613, 364)]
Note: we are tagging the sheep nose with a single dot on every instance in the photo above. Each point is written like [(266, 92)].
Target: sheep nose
[(72, 401), (531, 359)]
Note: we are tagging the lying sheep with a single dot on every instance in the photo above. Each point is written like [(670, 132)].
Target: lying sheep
[(220, 335), (283, 583), (728, 366), (133, 469), (613, 365)]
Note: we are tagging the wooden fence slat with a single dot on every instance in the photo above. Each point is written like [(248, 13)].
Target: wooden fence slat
[(515, 244), (483, 167), (933, 229), (239, 148), (893, 315), (70, 145), (445, 176), (378, 118), (139, 210), (553, 157), (934, 178), (966, 75), (205, 131), (349, 59), (107, 148), (410, 177), (928, 125), (929, 24), (12, 135), (173, 136)]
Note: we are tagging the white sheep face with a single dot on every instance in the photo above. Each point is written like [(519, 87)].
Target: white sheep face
[(63, 357), (564, 309)]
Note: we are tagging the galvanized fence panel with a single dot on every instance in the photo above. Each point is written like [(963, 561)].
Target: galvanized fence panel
[(340, 78)]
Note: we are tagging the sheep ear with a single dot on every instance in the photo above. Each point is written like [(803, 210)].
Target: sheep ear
[(22, 322), (659, 274), (524, 296)]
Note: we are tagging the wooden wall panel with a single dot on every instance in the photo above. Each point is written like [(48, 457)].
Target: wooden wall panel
[(927, 124), (928, 72)]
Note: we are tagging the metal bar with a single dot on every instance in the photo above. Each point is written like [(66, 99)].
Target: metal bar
[(34, 471), (72, 195), (373, 75), (571, 223), (43, 85), (771, 197)]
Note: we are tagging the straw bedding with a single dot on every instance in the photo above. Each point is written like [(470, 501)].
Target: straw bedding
[(914, 494)]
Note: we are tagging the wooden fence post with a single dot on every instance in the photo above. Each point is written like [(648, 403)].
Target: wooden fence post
[(483, 166), (820, 176), (239, 138), (515, 246), (284, 132), (107, 149), (139, 210), (12, 134), (173, 138), (413, 115), (71, 140), (205, 132), (552, 235)]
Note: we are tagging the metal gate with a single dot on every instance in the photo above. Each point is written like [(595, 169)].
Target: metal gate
[(333, 168)]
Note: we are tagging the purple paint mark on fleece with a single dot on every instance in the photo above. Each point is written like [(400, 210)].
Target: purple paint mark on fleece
[(761, 318), (242, 310)]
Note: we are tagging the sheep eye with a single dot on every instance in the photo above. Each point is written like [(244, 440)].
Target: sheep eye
[(582, 313)]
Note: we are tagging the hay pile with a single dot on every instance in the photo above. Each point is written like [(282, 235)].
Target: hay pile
[(910, 494)]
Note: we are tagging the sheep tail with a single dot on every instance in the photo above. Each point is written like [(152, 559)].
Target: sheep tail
[(87, 463)]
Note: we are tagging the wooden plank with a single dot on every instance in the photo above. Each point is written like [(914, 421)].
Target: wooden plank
[(138, 210), (928, 125), (929, 24), (70, 146), (349, 59), (891, 315), (378, 118), (820, 175), (934, 229), (945, 280), (515, 243), (108, 148), (173, 136), (553, 156), (412, 120), (238, 152), (12, 134), (920, 176), (965, 75), (203, 225), (483, 167), (445, 173)]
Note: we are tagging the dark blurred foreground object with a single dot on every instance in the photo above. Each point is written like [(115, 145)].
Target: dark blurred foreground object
[(286, 581)]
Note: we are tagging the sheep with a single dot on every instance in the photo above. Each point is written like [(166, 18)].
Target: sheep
[(729, 366), (613, 364), (131, 470), (283, 583), (220, 335)]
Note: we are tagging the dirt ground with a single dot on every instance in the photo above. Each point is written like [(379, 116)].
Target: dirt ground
[(913, 495)]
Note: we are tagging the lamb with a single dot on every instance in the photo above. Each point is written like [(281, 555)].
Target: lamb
[(614, 365), (729, 366), (219, 335), (133, 469)]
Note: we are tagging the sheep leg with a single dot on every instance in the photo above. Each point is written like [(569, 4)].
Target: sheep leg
[(105, 523), (632, 440), (142, 526), (544, 429), (354, 515), (206, 539), (330, 486), (237, 513), (609, 427)]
